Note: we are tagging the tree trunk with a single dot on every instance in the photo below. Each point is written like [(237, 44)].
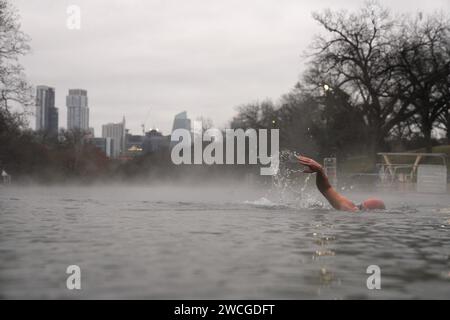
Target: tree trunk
[(427, 135), (448, 126), (448, 133), (375, 146)]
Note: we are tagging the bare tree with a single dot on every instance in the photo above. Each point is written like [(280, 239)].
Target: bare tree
[(444, 89), (356, 57), (13, 44), (207, 123), (256, 115), (444, 122), (424, 70)]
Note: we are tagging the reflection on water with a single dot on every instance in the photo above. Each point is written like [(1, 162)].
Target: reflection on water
[(174, 242)]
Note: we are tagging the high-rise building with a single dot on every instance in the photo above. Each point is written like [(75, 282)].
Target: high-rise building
[(46, 113), (116, 131), (77, 110), (181, 121)]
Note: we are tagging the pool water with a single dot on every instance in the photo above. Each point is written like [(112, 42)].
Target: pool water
[(227, 242)]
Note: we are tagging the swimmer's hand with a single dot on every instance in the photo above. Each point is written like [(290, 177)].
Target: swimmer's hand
[(312, 165)]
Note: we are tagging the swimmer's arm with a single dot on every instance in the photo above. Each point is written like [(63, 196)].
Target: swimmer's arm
[(337, 201)]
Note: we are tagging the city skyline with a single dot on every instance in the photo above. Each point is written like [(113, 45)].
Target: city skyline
[(78, 117)]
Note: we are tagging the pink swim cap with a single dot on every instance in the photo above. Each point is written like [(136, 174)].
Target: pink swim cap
[(373, 204)]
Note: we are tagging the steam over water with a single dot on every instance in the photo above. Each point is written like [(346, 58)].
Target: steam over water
[(218, 242)]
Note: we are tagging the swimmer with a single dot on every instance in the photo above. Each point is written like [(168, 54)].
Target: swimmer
[(337, 201)]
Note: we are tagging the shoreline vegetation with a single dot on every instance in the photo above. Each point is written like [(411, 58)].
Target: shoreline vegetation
[(374, 81)]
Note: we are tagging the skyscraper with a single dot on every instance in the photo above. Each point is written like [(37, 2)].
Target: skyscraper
[(181, 121), (46, 113), (77, 110), (116, 131)]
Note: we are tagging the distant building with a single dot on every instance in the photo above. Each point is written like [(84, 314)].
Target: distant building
[(92, 132), (77, 110), (46, 113), (154, 141), (104, 144), (116, 131), (181, 121), (133, 144)]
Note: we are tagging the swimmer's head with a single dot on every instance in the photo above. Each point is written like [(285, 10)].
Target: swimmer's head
[(372, 204)]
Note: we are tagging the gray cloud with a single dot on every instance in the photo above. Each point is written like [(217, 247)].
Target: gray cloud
[(203, 56)]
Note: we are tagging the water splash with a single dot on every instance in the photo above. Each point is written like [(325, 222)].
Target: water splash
[(265, 203), (290, 186)]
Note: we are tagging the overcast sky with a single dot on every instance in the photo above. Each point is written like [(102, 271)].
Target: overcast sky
[(150, 59)]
